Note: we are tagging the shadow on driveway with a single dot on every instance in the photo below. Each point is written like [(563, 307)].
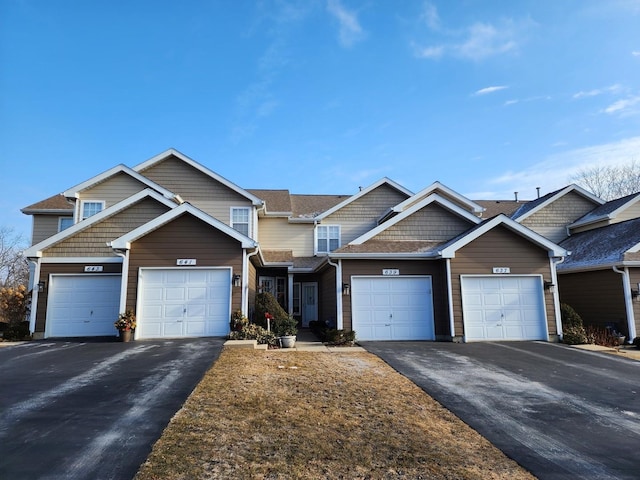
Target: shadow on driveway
[(561, 413), (92, 409)]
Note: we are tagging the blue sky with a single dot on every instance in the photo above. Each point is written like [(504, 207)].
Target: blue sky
[(318, 96)]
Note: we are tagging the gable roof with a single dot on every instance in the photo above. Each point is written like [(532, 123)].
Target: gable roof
[(608, 211), (449, 249), (433, 198), (603, 247), (175, 153), (276, 202), (434, 188), (36, 250), (362, 193), (308, 207), (101, 177), (495, 207), (56, 204), (124, 242), (538, 204)]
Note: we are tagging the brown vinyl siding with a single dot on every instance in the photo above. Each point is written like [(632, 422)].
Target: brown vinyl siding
[(362, 215), (93, 240), (113, 190), (597, 296), (435, 268), (44, 226), (197, 188), (500, 247), (327, 301), (551, 221), (184, 237), (47, 269), (432, 222)]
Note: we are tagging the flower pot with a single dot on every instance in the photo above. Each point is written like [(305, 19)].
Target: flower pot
[(288, 341), (126, 335)]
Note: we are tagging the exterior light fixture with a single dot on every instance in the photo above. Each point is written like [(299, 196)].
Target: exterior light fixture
[(549, 286), (346, 289), (237, 281), (42, 285)]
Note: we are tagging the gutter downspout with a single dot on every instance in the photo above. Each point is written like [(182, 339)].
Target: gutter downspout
[(555, 261), (34, 294), (339, 319), (124, 282), (452, 326), (628, 302)]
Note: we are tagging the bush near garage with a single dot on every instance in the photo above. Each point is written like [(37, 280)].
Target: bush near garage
[(14, 306), (573, 331), (254, 332), (332, 336)]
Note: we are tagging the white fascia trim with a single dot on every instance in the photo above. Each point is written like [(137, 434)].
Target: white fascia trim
[(172, 151), (609, 216), (386, 256), (36, 250), (602, 266), (561, 193), (124, 242), (86, 260), (434, 197), (553, 249), (363, 192), (634, 249), (74, 192), (433, 188), (302, 220)]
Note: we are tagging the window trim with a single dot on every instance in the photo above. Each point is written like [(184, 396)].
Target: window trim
[(316, 238), (60, 219), (232, 223), (84, 202)]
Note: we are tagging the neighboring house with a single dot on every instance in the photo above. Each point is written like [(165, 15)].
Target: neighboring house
[(183, 247)]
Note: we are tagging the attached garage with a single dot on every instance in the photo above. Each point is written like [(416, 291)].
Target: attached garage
[(183, 302), (392, 308), (82, 305), (503, 307)]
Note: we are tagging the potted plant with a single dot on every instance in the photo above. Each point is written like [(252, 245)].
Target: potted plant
[(125, 324), (286, 330)]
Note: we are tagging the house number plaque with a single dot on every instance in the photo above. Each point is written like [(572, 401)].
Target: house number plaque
[(186, 261), (501, 270), (390, 272), (92, 268)]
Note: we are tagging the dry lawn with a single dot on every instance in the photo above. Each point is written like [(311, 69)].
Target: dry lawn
[(286, 415)]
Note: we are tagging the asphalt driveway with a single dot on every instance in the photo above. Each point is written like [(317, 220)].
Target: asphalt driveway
[(560, 412), (91, 409)]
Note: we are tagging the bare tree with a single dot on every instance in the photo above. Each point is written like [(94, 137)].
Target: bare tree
[(610, 182), (14, 269)]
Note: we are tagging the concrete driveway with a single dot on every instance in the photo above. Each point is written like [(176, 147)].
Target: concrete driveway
[(560, 412), (92, 409)]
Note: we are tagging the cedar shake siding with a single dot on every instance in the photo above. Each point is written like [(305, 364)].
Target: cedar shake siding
[(551, 221), (184, 237), (500, 247), (47, 269), (113, 190), (433, 223), (597, 296), (435, 268), (92, 242), (361, 215), (197, 188)]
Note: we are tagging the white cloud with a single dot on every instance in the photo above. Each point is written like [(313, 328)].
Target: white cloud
[(623, 106), (430, 16), (485, 40), (636, 53), (350, 31), (487, 90), (429, 52), (598, 91)]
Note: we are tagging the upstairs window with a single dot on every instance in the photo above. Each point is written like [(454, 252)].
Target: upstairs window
[(64, 223), (91, 207), (240, 220), (327, 238)]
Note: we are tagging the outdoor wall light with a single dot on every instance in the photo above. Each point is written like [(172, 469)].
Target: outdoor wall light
[(41, 285), (237, 281), (635, 294), (346, 289), (549, 286)]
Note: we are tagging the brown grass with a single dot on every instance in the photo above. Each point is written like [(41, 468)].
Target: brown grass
[(287, 415)]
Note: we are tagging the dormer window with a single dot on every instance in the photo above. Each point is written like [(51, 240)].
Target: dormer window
[(91, 207), (240, 220), (327, 238), (64, 223)]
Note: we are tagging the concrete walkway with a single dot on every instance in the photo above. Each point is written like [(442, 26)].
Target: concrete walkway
[(306, 341)]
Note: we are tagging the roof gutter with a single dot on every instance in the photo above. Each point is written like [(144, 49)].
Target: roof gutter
[(628, 301)]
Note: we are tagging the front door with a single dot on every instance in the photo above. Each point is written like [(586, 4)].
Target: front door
[(309, 303)]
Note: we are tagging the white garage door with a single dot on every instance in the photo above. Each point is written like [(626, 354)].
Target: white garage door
[(82, 305), (181, 302), (503, 308), (392, 308)]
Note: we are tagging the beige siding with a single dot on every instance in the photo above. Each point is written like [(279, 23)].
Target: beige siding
[(597, 296), (279, 234), (500, 248), (551, 221), (185, 237), (44, 226), (113, 190), (196, 188), (590, 226), (361, 215), (93, 240), (429, 223), (47, 269), (435, 268), (444, 195), (629, 214)]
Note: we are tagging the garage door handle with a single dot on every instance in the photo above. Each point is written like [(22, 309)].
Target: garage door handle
[(387, 324)]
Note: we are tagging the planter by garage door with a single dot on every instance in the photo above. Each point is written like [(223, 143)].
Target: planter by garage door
[(503, 308), (183, 302), (82, 305), (392, 308)]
